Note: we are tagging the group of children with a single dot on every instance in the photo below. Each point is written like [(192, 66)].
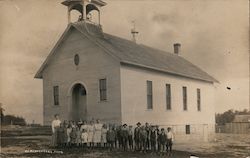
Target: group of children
[(141, 138)]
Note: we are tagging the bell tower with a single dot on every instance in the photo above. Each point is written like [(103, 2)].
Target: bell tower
[(84, 7)]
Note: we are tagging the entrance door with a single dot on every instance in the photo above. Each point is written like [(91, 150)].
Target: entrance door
[(79, 102)]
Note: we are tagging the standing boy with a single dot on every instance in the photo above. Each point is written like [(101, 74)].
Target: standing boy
[(124, 137), (153, 138), (170, 139), (111, 137), (130, 138), (137, 136), (162, 140), (143, 139)]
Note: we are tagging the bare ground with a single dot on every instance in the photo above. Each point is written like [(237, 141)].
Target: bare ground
[(225, 145)]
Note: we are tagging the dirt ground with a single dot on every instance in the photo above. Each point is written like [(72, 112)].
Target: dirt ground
[(225, 145)]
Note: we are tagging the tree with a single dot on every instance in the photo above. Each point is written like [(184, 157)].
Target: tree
[(1, 112), (228, 116), (15, 120)]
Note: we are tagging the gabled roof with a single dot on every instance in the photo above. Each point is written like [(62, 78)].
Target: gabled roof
[(128, 52)]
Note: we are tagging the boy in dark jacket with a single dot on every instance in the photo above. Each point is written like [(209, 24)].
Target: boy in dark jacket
[(111, 138), (148, 130), (124, 136), (60, 135), (143, 139), (130, 138), (119, 137), (137, 136), (153, 138), (162, 140)]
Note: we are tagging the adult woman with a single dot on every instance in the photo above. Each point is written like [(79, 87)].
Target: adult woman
[(55, 125)]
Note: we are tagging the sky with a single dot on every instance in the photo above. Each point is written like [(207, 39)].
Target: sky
[(214, 35)]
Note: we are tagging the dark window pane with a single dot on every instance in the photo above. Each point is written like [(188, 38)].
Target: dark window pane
[(168, 96), (56, 95), (149, 95), (188, 129), (184, 91), (198, 99), (103, 89)]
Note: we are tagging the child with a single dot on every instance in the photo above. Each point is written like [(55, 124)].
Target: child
[(90, 134), (104, 135), (153, 138), (124, 137), (60, 135), (119, 138), (78, 136), (69, 129), (143, 139), (84, 126), (147, 128), (158, 133), (73, 136), (84, 137), (162, 140), (137, 136), (115, 132), (170, 139), (130, 138), (111, 137), (65, 135), (97, 133)]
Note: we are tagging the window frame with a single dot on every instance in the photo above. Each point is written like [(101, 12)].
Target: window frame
[(168, 97), (188, 129), (56, 95), (149, 95), (198, 99), (184, 98), (103, 89)]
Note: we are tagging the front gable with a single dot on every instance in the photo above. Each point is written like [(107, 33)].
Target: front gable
[(71, 41)]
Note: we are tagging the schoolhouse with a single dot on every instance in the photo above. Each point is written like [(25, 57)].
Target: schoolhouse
[(91, 74)]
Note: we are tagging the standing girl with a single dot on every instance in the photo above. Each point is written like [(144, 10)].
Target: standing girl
[(104, 135), (97, 133), (90, 133)]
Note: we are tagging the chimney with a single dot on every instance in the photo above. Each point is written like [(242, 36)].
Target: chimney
[(177, 48)]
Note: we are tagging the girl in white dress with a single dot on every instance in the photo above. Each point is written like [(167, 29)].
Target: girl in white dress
[(104, 135), (84, 137), (84, 126), (90, 131), (97, 133)]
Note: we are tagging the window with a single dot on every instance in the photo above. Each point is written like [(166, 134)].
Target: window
[(198, 99), (76, 59), (187, 129), (184, 92), (149, 95), (168, 96), (56, 95), (103, 89)]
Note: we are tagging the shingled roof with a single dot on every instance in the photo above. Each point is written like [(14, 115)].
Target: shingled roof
[(128, 52)]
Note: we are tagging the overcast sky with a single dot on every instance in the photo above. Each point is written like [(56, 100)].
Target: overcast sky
[(213, 33)]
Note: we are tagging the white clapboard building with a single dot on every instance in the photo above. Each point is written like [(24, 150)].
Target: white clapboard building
[(91, 74)]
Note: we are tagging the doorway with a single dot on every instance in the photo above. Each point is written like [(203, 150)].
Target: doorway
[(79, 103)]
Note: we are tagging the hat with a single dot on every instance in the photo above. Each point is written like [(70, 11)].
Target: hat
[(138, 123)]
